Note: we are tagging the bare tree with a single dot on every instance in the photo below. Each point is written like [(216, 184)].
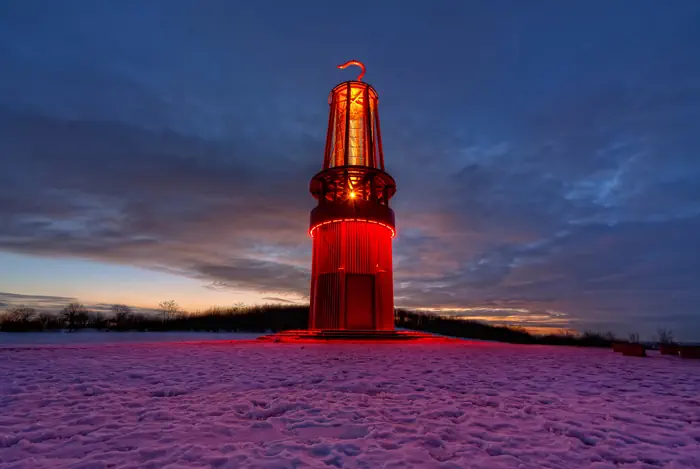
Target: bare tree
[(634, 337), (48, 320), (75, 315), (96, 320), (665, 336), (169, 309), (122, 314), (22, 314)]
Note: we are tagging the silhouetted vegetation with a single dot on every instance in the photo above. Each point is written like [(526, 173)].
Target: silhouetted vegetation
[(460, 328), (169, 309), (271, 318), (665, 336), (457, 327), (75, 316), (21, 319)]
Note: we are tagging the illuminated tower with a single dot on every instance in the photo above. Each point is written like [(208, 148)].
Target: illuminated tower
[(352, 226)]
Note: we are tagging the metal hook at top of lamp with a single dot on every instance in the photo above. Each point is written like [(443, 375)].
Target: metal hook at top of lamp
[(354, 62)]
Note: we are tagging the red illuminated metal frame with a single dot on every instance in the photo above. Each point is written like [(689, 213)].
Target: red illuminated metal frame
[(354, 135), (391, 229), (352, 282), (352, 226)]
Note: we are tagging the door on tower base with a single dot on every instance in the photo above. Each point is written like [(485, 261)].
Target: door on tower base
[(359, 301)]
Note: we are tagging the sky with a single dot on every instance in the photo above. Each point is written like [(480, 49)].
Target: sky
[(546, 153)]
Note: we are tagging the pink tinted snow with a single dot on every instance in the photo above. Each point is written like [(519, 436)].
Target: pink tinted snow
[(262, 405)]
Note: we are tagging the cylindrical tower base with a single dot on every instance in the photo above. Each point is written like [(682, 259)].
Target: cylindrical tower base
[(351, 277)]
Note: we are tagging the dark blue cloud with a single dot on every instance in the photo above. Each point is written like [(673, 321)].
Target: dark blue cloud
[(545, 153)]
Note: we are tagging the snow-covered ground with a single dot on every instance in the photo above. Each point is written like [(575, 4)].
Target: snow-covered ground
[(244, 404), (101, 337)]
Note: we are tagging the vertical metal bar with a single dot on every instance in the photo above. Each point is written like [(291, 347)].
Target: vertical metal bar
[(379, 139), (389, 295), (314, 271), (375, 323), (347, 124), (370, 128), (342, 291), (369, 151), (376, 246), (329, 134), (337, 303)]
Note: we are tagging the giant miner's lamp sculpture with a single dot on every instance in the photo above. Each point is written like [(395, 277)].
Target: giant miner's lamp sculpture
[(352, 290), (352, 227)]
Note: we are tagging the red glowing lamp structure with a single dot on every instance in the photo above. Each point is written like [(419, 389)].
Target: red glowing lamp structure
[(352, 226)]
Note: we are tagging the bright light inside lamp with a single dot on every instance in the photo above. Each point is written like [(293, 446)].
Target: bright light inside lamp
[(352, 194)]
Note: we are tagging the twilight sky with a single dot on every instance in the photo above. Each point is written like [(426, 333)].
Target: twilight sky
[(547, 153)]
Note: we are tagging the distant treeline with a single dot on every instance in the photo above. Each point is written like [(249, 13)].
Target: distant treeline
[(456, 327), (122, 318), (274, 318)]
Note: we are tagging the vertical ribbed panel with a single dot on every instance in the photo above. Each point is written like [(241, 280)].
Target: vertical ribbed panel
[(327, 301), (314, 276), (351, 247), (385, 301), (361, 251), (352, 137), (384, 285), (328, 245)]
